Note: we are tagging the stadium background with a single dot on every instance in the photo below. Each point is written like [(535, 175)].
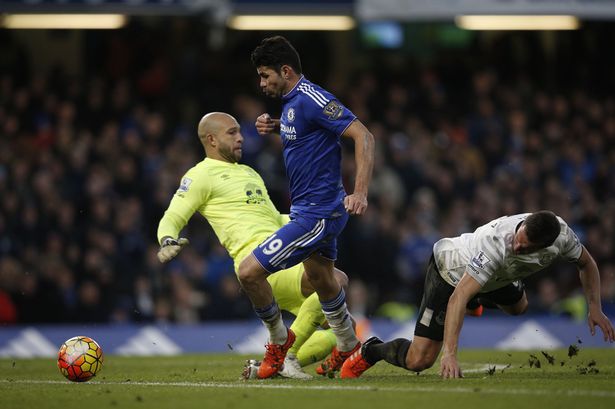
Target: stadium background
[(97, 127)]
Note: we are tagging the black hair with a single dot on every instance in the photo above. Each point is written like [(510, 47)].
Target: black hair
[(274, 52), (542, 228)]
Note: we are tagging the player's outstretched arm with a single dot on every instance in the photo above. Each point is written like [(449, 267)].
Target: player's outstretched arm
[(189, 197), (590, 280), (169, 227), (465, 290), (170, 247), (356, 203), (171, 224)]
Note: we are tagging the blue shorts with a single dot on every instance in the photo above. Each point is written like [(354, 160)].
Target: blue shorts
[(299, 239)]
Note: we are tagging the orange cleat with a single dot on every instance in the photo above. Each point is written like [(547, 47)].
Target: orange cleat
[(334, 362), (273, 361), (475, 312), (356, 364)]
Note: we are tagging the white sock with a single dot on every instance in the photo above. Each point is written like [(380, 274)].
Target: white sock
[(341, 325), (272, 318), (278, 334)]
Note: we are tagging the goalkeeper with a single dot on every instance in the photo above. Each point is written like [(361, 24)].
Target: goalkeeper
[(234, 200)]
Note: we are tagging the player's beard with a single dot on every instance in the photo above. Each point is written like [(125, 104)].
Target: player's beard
[(230, 154), (274, 92)]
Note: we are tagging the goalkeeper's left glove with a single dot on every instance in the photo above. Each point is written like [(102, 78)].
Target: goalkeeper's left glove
[(170, 248)]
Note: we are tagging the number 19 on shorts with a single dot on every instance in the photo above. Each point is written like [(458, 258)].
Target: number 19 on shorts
[(271, 245)]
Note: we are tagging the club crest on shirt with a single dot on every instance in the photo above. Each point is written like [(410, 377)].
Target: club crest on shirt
[(254, 194), (185, 184), (290, 115), (480, 260), (333, 110)]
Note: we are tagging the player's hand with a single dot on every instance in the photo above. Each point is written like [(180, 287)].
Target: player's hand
[(265, 124), (355, 203), (171, 248), (597, 317), (449, 367)]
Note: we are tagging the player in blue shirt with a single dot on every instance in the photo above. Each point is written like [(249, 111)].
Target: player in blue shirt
[(310, 126)]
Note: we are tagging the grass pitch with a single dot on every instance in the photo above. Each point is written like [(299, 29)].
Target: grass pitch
[(493, 379)]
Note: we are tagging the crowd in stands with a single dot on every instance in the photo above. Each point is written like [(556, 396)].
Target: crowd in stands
[(89, 163)]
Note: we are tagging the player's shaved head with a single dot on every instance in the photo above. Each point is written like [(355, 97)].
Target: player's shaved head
[(220, 135), (213, 123)]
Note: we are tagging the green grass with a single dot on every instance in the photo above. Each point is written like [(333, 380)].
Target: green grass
[(212, 381)]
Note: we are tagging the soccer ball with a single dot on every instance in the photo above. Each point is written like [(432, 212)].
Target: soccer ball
[(80, 358)]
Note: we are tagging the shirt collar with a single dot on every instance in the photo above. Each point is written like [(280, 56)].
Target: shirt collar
[(221, 162), (292, 91)]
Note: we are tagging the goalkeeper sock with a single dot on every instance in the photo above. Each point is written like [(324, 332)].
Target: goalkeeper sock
[(309, 318), (317, 347), (394, 352), (337, 316), (272, 318)]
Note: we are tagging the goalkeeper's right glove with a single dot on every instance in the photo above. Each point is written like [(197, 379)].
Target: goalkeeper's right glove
[(170, 248)]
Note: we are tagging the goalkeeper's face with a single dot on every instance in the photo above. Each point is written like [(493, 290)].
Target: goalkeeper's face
[(230, 142)]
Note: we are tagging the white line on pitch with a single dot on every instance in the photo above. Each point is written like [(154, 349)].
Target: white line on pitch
[(410, 388)]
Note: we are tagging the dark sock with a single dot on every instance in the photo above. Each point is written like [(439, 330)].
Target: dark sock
[(473, 304), (394, 352), (487, 303)]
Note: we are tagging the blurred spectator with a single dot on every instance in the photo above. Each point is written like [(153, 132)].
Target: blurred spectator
[(548, 297), (89, 162)]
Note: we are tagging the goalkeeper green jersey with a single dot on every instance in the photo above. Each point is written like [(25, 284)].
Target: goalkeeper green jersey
[(233, 199)]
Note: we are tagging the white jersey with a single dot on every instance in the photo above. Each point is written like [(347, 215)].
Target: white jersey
[(487, 254)]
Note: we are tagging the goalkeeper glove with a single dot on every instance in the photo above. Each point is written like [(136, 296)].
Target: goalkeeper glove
[(170, 248)]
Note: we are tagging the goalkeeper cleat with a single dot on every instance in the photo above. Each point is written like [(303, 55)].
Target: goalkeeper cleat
[(250, 370), (292, 369), (356, 364), (274, 357), (334, 362)]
